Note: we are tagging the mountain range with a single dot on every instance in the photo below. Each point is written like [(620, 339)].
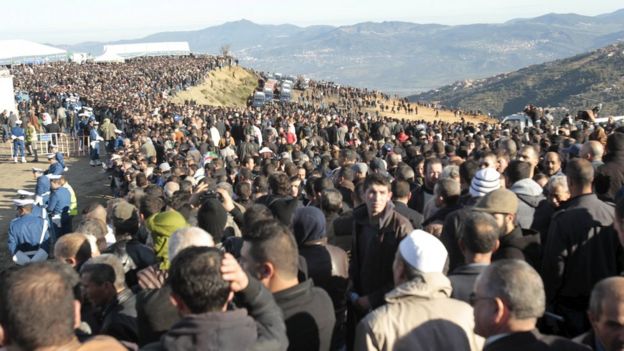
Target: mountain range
[(398, 57), (576, 83)]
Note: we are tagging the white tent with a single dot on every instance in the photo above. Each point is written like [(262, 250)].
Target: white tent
[(24, 51), (149, 49), (109, 57)]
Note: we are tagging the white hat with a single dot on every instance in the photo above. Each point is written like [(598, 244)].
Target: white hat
[(50, 156), (118, 131), (37, 170), (164, 167), (54, 176), (23, 202), (423, 252), (115, 157), (265, 149), (18, 122), (484, 181), (25, 193)]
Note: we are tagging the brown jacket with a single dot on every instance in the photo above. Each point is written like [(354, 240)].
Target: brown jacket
[(419, 316)]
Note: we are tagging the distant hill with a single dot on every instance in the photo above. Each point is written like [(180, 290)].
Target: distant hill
[(578, 82), (400, 56)]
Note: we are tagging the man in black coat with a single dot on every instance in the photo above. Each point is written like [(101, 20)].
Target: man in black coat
[(581, 248), (610, 176), (203, 281), (270, 254), (479, 239), (508, 299), (400, 198)]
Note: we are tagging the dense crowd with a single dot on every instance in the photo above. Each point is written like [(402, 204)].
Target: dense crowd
[(312, 225)]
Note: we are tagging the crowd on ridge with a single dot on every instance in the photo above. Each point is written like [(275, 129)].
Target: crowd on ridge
[(306, 226)]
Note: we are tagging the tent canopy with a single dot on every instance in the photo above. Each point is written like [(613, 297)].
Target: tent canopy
[(149, 49), (19, 51), (109, 57)]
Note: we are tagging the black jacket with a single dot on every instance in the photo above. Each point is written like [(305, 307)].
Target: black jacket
[(155, 314), (610, 176), (262, 329), (581, 249), (417, 201), (118, 319), (414, 217), (520, 245), (373, 252), (463, 279), (309, 316), (533, 341)]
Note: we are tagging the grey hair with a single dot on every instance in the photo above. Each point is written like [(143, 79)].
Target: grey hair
[(187, 237), (450, 171), (105, 268), (555, 181), (609, 289), (519, 286)]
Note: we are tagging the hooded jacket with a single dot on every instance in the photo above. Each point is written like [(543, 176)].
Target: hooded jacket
[(419, 316), (534, 211)]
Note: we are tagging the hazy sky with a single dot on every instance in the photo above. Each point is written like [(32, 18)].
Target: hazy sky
[(72, 21)]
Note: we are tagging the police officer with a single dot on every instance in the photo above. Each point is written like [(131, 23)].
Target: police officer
[(59, 206), (17, 135), (55, 167), (29, 239), (42, 188)]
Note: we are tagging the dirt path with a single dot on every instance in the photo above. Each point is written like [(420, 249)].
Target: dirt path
[(89, 183)]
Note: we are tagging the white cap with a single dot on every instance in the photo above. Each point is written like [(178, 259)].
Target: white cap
[(115, 157), (37, 170), (18, 122), (23, 202), (54, 176), (25, 193), (265, 149), (164, 167), (118, 131), (423, 251), (50, 156)]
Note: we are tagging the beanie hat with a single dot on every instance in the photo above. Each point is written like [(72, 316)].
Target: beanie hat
[(498, 201), (484, 181), (423, 252), (162, 225), (308, 224)]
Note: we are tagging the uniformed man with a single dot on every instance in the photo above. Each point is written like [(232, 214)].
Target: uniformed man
[(58, 206), (58, 156), (29, 239), (42, 188), (17, 135), (55, 167), (73, 208)]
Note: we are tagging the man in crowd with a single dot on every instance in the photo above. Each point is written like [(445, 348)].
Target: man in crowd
[(400, 198), (270, 254), (378, 229), (424, 193), (29, 238), (508, 299), (419, 307), (581, 249)]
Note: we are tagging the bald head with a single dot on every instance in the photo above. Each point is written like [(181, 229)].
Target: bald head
[(592, 151)]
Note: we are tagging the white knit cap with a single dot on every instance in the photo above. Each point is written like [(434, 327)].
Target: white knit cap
[(484, 181), (423, 251)]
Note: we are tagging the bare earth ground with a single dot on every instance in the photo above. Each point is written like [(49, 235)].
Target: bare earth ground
[(89, 183)]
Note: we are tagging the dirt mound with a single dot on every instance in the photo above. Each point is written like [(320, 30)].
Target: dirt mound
[(229, 86)]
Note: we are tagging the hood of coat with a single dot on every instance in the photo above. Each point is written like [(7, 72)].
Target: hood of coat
[(435, 285)]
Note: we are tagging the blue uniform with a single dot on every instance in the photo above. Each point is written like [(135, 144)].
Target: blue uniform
[(60, 159), (17, 134), (25, 233), (42, 189), (95, 145), (58, 208), (55, 168)]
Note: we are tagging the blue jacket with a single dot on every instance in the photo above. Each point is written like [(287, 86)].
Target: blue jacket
[(59, 203), (25, 233), (60, 159), (43, 188), (18, 132), (55, 168)]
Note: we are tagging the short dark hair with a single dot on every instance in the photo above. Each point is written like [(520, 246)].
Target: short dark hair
[(331, 201), (400, 189), (254, 214), (195, 277), (347, 173), (518, 170), (580, 171), (376, 179), (467, 170), (271, 241), (480, 232), (37, 308), (151, 204)]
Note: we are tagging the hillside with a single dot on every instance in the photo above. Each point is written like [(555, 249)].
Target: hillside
[(576, 83), (230, 86), (399, 57)]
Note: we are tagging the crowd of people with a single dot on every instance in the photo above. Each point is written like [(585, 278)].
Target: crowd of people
[(308, 225)]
